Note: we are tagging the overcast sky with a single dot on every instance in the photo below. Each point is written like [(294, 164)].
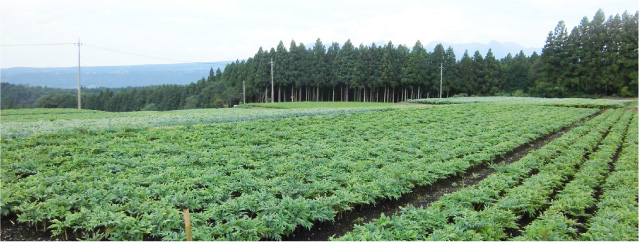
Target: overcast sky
[(206, 31)]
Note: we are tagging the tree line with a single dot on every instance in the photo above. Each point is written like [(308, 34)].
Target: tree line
[(597, 58)]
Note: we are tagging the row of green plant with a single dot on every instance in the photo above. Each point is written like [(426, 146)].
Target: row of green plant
[(617, 211), (499, 220), (563, 219), (483, 211), (565, 102), (289, 105), (26, 122), (252, 180)]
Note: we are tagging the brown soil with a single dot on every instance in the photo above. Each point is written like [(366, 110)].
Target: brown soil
[(10, 229)]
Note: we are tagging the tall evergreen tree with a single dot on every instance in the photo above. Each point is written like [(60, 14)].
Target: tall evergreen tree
[(319, 68), (345, 63), (493, 74), (466, 74), (415, 70), (332, 59), (517, 74), (436, 59), (450, 66), (281, 71), (596, 43), (386, 75), (553, 63), (628, 55)]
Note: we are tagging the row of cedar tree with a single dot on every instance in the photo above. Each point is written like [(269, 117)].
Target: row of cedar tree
[(596, 58)]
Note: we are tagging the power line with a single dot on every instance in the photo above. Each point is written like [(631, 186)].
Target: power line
[(146, 56), (134, 54), (38, 44), (112, 50)]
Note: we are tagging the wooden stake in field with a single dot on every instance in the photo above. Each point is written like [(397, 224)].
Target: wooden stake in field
[(187, 224)]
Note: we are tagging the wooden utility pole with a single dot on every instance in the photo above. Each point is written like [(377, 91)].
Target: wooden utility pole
[(244, 93), (271, 79), (441, 80), (79, 94)]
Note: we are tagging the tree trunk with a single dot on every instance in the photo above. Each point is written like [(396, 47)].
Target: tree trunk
[(387, 94), (347, 93), (393, 94), (371, 95), (404, 95), (364, 91), (384, 94)]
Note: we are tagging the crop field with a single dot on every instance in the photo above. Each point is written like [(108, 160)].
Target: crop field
[(250, 174), (26, 122), (550, 190), (565, 102), (290, 105)]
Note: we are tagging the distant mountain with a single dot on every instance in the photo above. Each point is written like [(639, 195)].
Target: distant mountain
[(109, 76), (499, 49)]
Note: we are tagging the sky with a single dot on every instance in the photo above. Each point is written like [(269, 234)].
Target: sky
[(118, 32)]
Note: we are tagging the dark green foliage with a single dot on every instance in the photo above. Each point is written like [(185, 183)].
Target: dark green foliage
[(24, 96), (598, 57)]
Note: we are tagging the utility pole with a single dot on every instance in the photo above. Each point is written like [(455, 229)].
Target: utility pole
[(244, 93), (79, 94), (441, 80), (271, 79)]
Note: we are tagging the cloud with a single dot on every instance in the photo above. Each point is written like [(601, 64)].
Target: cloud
[(229, 30)]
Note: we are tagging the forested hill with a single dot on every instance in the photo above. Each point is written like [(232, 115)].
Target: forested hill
[(599, 57), (109, 76)]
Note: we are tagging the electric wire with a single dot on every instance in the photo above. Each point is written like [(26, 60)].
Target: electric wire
[(37, 44), (114, 50)]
